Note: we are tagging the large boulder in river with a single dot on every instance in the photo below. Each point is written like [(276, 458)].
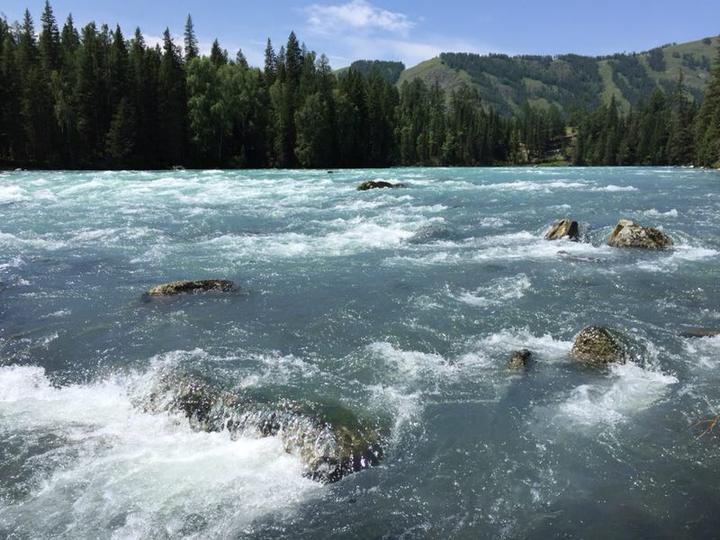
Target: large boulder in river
[(377, 184), (564, 228), (182, 287), (598, 345), (331, 440), (520, 360), (628, 234)]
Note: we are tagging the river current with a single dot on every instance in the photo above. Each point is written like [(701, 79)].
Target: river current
[(401, 305)]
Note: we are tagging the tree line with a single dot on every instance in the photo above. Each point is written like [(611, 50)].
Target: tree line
[(94, 99)]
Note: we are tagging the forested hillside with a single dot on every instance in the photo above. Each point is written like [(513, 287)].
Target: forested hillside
[(92, 98), (572, 81)]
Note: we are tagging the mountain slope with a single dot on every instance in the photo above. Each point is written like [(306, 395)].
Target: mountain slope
[(570, 81)]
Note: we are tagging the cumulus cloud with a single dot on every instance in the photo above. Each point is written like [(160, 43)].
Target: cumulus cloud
[(356, 14)]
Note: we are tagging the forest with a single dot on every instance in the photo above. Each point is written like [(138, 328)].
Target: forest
[(92, 98)]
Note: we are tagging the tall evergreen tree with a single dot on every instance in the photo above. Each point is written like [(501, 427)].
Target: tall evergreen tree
[(172, 103), (191, 42), (708, 122)]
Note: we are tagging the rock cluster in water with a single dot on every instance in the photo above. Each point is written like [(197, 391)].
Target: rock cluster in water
[(629, 234), (377, 184), (331, 440), (183, 287), (564, 228), (626, 234), (598, 345)]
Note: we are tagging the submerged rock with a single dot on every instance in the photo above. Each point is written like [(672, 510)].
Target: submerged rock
[(331, 440), (700, 332), (598, 345), (519, 360), (627, 233), (182, 287), (377, 184), (564, 228)]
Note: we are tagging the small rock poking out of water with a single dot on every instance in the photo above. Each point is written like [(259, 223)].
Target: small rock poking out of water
[(184, 287), (700, 332), (598, 345), (564, 228), (377, 184), (520, 360), (331, 440), (629, 234)]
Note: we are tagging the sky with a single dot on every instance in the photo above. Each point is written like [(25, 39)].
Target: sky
[(405, 30)]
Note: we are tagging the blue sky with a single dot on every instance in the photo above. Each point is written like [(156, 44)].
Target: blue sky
[(406, 30)]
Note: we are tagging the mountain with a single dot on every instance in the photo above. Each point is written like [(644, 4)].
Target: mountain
[(568, 81)]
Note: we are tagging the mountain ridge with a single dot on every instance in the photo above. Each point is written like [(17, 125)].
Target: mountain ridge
[(568, 81)]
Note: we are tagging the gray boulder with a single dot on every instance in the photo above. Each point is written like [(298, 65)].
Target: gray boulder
[(520, 360), (183, 287), (564, 228), (598, 345), (628, 234)]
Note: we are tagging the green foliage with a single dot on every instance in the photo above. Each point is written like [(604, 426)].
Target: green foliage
[(388, 71), (95, 99)]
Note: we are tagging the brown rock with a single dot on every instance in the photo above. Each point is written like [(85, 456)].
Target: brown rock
[(564, 228), (631, 235)]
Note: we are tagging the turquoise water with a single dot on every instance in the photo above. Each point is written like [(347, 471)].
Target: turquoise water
[(403, 306)]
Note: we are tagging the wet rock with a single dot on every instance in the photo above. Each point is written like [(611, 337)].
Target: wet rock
[(331, 440), (519, 360), (629, 234), (377, 184), (183, 287), (598, 345), (564, 228), (700, 332)]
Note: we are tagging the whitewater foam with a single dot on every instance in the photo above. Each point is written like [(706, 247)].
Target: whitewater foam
[(498, 292), (136, 474), (630, 389)]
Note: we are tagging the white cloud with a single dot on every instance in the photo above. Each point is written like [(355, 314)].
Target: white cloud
[(356, 14), (410, 52)]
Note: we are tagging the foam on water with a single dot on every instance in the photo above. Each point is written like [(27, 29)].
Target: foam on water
[(705, 352), (135, 474), (498, 292), (545, 346), (12, 193), (629, 390)]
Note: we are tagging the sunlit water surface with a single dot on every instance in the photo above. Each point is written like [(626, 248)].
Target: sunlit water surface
[(400, 303)]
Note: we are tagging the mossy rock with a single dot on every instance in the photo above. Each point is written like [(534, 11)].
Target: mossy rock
[(185, 287), (598, 345)]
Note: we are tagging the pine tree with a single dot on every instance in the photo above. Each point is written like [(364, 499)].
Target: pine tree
[(191, 42), (120, 139), (218, 56), (49, 40), (270, 64), (172, 103), (707, 129)]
